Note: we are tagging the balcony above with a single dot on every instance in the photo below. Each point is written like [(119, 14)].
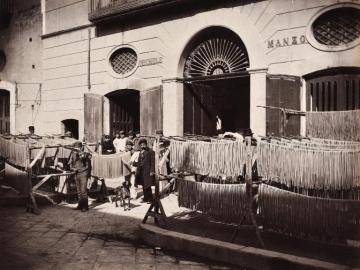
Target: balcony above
[(5, 12), (100, 10)]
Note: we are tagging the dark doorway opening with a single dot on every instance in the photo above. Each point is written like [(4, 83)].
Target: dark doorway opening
[(124, 110), (71, 125), (4, 112), (215, 106), (217, 84)]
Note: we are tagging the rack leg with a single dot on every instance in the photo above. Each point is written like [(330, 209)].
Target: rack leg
[(32, 205)]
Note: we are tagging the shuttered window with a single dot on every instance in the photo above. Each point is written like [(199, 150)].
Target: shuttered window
[(93, 117), (4, 112), (151, 110), (282, 92)]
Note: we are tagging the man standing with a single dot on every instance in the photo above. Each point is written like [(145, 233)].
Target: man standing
[(146, 170), (79, 164)]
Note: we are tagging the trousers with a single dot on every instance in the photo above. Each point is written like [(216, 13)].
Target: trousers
[(148, 197), (81, 188)]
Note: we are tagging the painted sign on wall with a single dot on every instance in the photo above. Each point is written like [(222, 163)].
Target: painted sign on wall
[(150, 61), (286, 41)]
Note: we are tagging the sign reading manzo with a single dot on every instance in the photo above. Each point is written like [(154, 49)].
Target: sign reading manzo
[(287, 41)]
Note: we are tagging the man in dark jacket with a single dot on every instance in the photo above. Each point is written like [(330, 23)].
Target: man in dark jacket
[(146, 170), (107, 146), (79, 163)]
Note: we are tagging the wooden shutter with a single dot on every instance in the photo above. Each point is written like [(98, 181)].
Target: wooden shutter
[(333, 92), (93, 117), (283, 92), (4, 112), (151, 114), (199, 111)]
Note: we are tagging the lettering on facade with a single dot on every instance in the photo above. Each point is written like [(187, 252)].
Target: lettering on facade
[(150, 61), (286, 41)]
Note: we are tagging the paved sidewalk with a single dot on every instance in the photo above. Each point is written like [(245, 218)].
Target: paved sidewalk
[(103, 238)]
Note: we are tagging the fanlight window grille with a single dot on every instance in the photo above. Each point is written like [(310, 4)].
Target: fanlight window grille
[(216, 56), (337, 27), (123, 60)]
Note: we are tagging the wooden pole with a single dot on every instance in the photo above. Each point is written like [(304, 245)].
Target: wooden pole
[(32, 205), (157, 188), (249, 187)]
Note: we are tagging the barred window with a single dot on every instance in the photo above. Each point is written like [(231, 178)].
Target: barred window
[(123, 60), (338, 26)]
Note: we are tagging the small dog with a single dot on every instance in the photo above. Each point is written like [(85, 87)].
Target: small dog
[(122, 194)]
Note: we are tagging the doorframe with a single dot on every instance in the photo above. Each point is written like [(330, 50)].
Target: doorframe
[(107, 117), (11, 88)]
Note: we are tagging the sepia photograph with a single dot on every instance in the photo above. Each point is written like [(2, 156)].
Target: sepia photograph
[(179, 134)]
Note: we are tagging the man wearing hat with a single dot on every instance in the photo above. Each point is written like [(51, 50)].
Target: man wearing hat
[(128, 169), (146, 170), (79, 164)]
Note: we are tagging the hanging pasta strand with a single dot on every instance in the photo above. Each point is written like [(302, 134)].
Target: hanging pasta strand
[(338, 125), (310, 167), (302, 216), (224, 202), (107, 166), (217, 158)]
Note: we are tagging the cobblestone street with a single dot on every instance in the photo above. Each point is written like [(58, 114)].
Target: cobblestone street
[(59, 239)]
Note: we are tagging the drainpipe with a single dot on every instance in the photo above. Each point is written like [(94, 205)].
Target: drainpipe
[(89, 48)]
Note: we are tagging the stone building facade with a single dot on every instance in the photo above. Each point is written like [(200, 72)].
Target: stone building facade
[(181, 66)]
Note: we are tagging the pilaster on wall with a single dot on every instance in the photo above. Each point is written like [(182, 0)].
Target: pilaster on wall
[(303, 107), (173, 107), (258, 98)]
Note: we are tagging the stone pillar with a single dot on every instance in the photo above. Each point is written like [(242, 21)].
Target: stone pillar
[(106, 116), (303, 107), (173, 107), (258, 97)]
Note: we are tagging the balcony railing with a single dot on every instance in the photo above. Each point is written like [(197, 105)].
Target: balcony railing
[(102, 9)]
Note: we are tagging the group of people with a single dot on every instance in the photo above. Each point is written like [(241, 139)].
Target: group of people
[(138, 161)]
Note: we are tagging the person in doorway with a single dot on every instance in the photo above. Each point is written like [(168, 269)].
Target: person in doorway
[(218, 124), (136, 141), (31, 130), (131, 136), (79, 164), (120, 142), (146, 170), (107, 146)]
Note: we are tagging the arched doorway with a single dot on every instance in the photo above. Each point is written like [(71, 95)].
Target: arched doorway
[(71, 125), (216, 83), (124, 110), (4, 112)]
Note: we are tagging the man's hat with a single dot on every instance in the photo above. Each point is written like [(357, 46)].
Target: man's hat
[(130, 132), (248, 132), (122, 132)]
